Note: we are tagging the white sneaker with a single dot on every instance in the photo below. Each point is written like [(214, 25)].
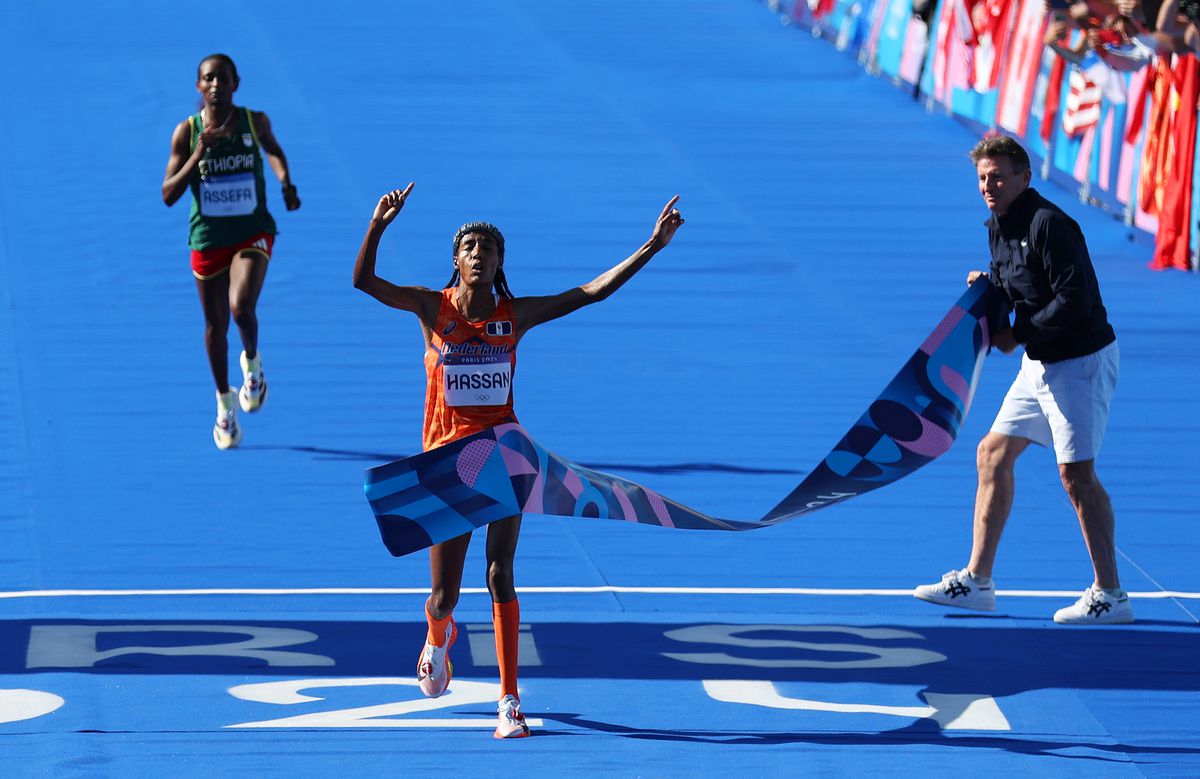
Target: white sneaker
[(1097, 607), (254, 384), (434, 669), (510, 721), (957, 588), (227, 433)]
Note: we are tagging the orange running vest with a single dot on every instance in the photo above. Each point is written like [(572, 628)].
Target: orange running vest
[(469, 368)]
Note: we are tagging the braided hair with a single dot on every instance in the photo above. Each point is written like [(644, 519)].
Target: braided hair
[(499, 283)]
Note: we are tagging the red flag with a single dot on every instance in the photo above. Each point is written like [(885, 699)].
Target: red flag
[(1171, 249), (1024, 58), (954, 57), (1137, 108), (822, 8), (1156, 146), (994, 22), (1053, 98)]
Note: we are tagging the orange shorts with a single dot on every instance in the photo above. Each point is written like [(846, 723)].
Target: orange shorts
[(215, 260)]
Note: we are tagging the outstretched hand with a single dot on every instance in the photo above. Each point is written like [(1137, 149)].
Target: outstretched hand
[(390, 204), (668, 222)]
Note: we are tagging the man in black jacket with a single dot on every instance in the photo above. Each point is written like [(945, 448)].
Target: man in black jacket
[(1060, 398)]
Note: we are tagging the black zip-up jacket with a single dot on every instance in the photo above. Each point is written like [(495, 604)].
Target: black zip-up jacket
[(1041, 266)]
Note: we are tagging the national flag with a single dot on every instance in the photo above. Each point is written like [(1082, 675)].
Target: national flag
[(964, 44), (1053, 98), (954, 58), (1156, 146), (1020, 75), (1130, 132), (993, 21), (1171, 249), (941, 53), (821, 8), (1083, 103)]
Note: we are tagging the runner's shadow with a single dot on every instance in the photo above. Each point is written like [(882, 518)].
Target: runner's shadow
[(919, 733), (328, 454)]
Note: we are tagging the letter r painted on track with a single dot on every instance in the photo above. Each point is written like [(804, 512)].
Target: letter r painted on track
[(77, 646)]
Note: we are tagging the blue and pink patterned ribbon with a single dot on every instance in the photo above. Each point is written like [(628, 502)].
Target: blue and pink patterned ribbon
[(499, 472)]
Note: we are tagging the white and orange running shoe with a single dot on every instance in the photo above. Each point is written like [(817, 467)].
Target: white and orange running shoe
[(434, 669), (510, 721)]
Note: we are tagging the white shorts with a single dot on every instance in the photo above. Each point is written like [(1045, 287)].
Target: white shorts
[(1062, 404)]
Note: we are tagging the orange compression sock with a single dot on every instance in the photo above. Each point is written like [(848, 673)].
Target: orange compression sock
[(437, 628), (506, 618)]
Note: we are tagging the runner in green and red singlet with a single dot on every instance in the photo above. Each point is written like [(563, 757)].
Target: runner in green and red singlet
[(218, 154)]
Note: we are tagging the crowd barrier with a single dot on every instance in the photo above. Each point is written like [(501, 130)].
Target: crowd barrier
[(1126, 139)]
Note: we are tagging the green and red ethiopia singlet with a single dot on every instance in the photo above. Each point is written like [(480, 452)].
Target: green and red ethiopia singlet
[(229, 192)]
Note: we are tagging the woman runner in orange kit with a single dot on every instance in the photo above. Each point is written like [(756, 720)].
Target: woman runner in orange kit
[(471, 329)]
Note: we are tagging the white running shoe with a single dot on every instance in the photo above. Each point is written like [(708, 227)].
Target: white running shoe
[(957, 588), (434, 669), (1097, 607), (254, 384), (227, 433), (510, 721)]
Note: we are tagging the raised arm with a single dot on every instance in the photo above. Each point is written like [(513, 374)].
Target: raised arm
[(533, 311), (421, 301), (276, 159)]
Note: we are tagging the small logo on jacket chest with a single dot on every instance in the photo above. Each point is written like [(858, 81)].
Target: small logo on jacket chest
[(499, 329)]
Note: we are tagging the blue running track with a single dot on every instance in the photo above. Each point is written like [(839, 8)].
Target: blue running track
[(167, 609)]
